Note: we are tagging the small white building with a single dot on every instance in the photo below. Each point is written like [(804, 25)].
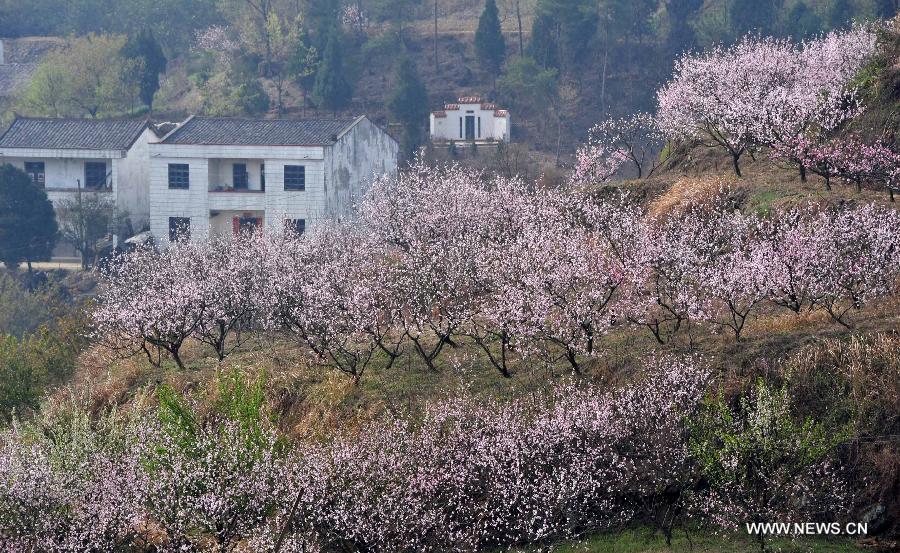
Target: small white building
[(470, 120), (215, 176), (106, 156)]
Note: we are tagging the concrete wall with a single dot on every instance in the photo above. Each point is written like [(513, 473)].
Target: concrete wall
[(448, 128), (63, 174), (128, 174), (133, 181), (362, 153), (197, 202)]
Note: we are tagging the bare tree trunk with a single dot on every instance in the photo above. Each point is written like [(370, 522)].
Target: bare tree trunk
[(603, 80), (436, 66), (519, 19)]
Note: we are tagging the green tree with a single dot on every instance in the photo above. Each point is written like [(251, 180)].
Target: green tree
[(800, 21), (409, 104), (28, 228), (680, 36), (543, 46), (144, 47), (839, 13), (759, 456), (561, 31), (490, 48), (397, 12), (332, 90), (757, 16), (303, 64), (89, 76)]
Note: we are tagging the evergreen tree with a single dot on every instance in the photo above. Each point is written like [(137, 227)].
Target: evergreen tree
[(490, 47), (840, 13), (331, 90), (543, 47), (144, 47), (681, 35), (28, 229), (409, 104), (757, 16), (800, 21)]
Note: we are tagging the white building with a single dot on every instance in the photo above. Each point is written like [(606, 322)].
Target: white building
[(106, 156), (215, 176), (470, 120)]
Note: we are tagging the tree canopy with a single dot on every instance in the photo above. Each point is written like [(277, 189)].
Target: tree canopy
[(28, 228)]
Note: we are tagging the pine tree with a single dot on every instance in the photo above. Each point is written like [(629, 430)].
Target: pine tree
[(490, 47), (332, 91), (409, 104), (28, 229), (839, 14), (543, 47), (144, 47)]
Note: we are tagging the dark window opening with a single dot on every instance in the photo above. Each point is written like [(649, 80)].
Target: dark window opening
[(460, 127), (294, 177), (179, 228), (94, 175), (239, 177), (246, 224), (262, 177), (36, 173), (297, 226), (179, 176)]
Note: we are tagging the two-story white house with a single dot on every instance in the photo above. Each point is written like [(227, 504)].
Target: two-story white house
[(470, 120), (106, 156), (213, 176)]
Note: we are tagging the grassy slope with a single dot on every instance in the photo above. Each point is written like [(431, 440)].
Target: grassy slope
[(312, 399), (315, 401)]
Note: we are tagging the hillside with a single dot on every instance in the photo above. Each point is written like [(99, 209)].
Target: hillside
[(677, 334)]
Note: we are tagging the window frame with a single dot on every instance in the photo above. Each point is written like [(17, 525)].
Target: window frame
[(38, 178), (181, 171), (91, 172), (294, 186), (245, 176)]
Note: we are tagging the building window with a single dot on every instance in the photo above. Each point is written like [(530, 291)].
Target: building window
[(35, 170), (94, 175), (179, 176), (297, 226), (294, 177), (179, 228), (460, 127), (479, 127), (246, 225), (262, 177), (239, 177)]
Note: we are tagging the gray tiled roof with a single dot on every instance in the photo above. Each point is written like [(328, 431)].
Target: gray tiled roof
[(258, 132), (72, 134)]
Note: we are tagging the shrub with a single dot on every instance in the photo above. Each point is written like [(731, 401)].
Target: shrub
[(764, 464)]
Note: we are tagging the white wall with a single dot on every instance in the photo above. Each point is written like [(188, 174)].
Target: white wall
[(165, 202), (133, 182), (360, 154), (336, 177), (448, 128), (197, 201)]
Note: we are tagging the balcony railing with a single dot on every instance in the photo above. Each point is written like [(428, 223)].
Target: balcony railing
[(230, 188)]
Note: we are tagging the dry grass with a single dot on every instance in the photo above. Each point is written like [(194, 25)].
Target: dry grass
[(688, 191)]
